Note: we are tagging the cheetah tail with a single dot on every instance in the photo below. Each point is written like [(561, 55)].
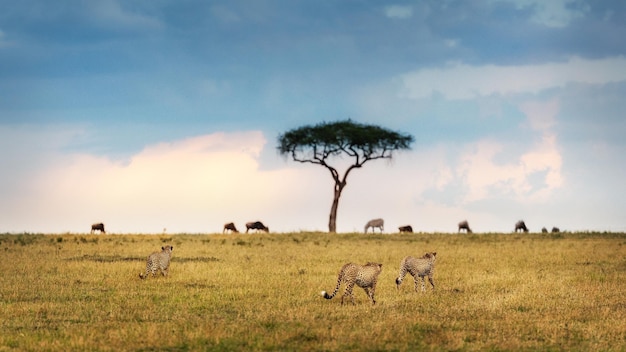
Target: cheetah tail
[(402, 273), (142, 276), (326, 295)]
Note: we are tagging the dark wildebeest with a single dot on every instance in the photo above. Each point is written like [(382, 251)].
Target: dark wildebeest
[(98, 227), (231, 227), (256, 225), (556, 229), (406, 228), (520, 225), (375, 223), (544, 230), (464, 225)]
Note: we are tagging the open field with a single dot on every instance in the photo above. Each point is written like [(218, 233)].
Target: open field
[(262, 292)]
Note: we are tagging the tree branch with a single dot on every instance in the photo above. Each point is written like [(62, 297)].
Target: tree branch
[(315, 144)]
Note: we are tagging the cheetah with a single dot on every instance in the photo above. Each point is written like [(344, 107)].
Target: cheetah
[(158, 261), (365, 276), (418, 268)]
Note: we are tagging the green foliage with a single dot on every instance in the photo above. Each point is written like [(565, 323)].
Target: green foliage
[(261, 292), (334, 138)]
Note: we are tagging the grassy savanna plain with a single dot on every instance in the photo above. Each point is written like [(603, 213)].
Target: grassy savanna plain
[(76, 292)]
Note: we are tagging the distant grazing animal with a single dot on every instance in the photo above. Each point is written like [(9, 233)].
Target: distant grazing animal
[(520, 225), (418, 268), (98, 227), (256, 225), (464, 225), (364, 276), (230, 227), (406, 228), (375, 223), (556, 229), (158, 261), (544, 230)]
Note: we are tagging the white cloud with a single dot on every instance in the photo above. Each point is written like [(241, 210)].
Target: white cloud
[(109, 13), (196, 184), (224, 14), (545, 156), (541, 115), (451, 43), (553, 13), (486, 178), (480, 173), (462, 81), (399, 12), (3, 41)]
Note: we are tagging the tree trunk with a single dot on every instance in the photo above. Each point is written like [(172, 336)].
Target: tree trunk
[(332, 220)]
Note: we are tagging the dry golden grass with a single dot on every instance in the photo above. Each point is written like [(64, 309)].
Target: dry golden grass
[(261, 292)]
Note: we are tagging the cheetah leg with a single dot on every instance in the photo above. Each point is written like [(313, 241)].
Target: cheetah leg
[(416, 280), (423, 280), (149, 272), (370, 293), (432, 281), (348, 292)]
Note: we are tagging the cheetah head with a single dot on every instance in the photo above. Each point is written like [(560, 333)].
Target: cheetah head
[(430, 255)]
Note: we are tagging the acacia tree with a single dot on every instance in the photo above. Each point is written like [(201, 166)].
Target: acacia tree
[(317, 144)]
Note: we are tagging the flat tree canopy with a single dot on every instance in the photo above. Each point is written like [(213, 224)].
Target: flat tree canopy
[(316, 144)]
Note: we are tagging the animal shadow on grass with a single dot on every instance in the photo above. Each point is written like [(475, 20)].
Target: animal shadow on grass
[(118, 258)]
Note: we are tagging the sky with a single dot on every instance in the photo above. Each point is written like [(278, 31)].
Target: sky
[(163, 116)]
